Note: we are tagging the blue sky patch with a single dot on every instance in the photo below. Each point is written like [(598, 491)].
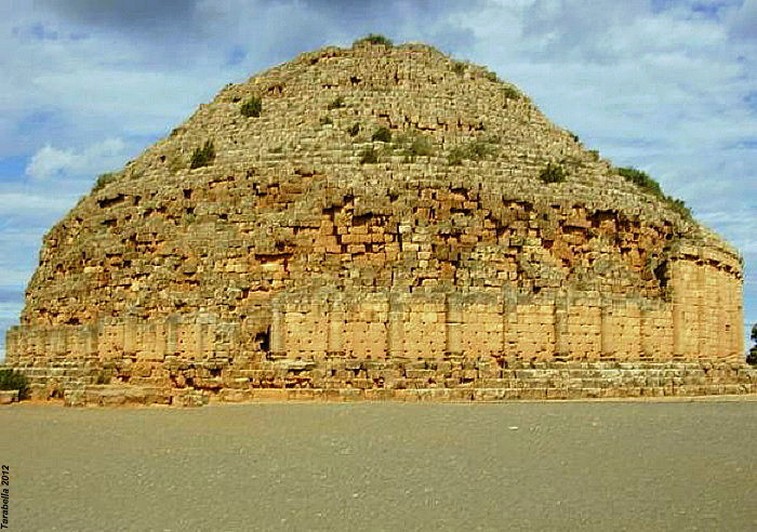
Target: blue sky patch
[(12, 168), (235, 56)]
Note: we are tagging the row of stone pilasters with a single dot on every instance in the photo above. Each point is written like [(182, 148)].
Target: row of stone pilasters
[(702, 319), (577, 326)]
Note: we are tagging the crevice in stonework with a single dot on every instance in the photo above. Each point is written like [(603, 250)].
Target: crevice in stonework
[(105, 203)]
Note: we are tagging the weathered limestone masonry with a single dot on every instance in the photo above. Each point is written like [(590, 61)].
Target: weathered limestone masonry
[(380, 226)]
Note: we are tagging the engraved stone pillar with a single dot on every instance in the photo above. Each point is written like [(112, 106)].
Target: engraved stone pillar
[(204, 335), (82, 333), (58, 341), (646, 333), (38, 347), (502, 306), (678, 287), (148, 340), (678, 330), (737, 323), (278, 330), (700, 339), (172, 334), (607, 335), (47, 344), (562, 339), (130, 336), (190, 339), (159, 350), (395, 330), (200, 332), (510, 323), (454, 319), (93, 339), (336, 320), (73, 345)]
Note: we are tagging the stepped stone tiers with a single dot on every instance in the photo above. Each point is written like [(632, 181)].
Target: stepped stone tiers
[(375, 222)]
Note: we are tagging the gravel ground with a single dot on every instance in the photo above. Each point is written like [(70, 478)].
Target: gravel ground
[(384, 466)]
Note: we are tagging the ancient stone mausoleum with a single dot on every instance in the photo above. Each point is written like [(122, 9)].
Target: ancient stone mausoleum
[(372, 222)]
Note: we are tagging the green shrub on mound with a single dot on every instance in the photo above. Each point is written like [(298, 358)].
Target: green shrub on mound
[(552, 173), (374, 38), (646, 183), (203, 156), (751, 357), (382, 134), (11, 379), (104, 179), (474, 150), (252, 107)]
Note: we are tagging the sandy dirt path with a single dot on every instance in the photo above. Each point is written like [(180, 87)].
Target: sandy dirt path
[(384, 466)]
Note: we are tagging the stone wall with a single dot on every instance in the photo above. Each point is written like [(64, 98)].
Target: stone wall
[(701, 320), (408, 346), (340, 379), (292, 252)]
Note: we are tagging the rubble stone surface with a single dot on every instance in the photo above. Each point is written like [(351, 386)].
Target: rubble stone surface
[(382, 226)]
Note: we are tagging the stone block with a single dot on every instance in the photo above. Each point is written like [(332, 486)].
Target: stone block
[(533, 393), (8, 396), (188, 398)]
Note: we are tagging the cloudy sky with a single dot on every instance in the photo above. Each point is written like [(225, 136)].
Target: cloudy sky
[(667, 86)]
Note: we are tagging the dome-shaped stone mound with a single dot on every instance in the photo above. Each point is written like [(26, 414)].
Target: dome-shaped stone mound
[(375, 203)]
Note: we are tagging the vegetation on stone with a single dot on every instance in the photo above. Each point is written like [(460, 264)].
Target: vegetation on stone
[(511, 93), (642, 180), (413, 146), (409, 145), (679, 206), (751, 358), (649, 185), (336, 103), (203, 156), (354, 129), (475, 150), (491, 76), (104, 179), (459, 67), (103, 377), (11, 379), (252, 108), (553, 173), (374, 38), (369, 155), (382, 134)]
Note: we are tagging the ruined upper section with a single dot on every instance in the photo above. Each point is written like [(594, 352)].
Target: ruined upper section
[(373, 168)]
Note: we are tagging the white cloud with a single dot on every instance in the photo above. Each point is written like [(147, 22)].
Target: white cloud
[(50, 162)]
